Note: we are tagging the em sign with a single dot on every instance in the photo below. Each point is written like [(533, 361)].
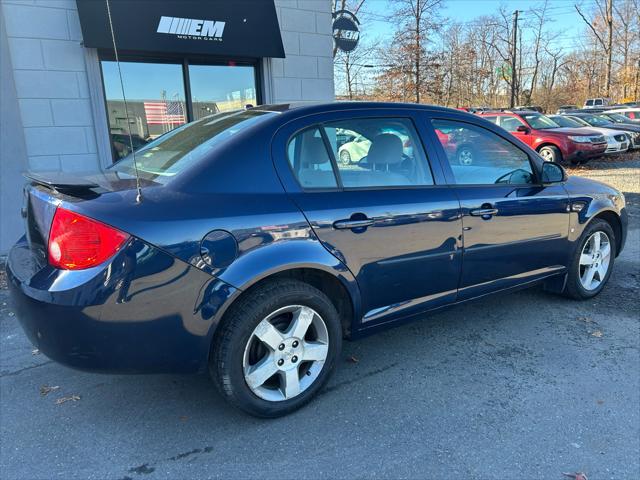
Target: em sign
[(345, 30)]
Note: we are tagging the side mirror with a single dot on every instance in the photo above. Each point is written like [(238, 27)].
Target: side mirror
[(553, 173), (523, 129)]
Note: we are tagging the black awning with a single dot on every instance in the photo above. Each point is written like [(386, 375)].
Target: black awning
[(231, 28)]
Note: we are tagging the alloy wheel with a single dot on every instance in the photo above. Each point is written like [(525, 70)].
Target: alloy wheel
[(465, 156), (285, 353), (547, 155), (594, 260), (345, 157)]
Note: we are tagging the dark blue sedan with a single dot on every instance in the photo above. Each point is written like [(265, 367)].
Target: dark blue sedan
[(249, 244)]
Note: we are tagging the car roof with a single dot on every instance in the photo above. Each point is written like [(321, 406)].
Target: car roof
[(305, 108)]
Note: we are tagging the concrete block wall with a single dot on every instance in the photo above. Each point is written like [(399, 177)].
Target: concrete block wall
[(307, 71), (49, 71)]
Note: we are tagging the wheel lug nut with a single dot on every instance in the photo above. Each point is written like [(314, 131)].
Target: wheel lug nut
[(280, 362), (295, 344), (294, 359), (281, 346)]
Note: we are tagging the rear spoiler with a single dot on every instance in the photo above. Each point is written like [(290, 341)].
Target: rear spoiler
[(64, 183)]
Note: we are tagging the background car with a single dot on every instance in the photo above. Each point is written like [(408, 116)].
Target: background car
[(551, 141), (632, 114), (607, 121), (617, 140), (565, 108)]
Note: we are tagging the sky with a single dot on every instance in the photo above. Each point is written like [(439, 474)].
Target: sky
[(562, 16)]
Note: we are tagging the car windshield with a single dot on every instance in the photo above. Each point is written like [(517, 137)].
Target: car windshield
[(616, 117), (178, 149), (566, 122), (539, 122), (596, 121), (579, 121)]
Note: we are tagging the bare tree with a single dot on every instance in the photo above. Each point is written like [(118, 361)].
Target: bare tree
[(606, 40), (415, 20)]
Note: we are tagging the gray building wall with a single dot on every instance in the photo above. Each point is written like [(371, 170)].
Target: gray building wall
[(53, 113), (13, 153)]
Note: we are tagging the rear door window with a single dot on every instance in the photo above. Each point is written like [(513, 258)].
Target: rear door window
[(359, 153), (384, 152)]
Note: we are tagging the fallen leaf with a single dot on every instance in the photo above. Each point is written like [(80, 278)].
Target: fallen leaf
[(353, 359), (72, 398), (596, 333), (600, 402), (184, 418), (46, 389)]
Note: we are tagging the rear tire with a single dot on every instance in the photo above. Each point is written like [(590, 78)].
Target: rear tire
[(241, 347), (550, 154), (586, 257)]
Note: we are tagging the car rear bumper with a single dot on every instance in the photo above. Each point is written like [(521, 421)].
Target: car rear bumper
[(141, 312)]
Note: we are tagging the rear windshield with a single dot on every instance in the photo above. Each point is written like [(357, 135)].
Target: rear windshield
[(177, 150)]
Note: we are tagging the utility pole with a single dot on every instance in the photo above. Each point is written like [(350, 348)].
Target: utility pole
[(512, 103)]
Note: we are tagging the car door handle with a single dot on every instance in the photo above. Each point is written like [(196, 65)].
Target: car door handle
[(484, 212), (347, 224)]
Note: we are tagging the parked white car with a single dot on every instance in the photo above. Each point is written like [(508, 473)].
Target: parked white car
[(632, 114), (617, 140)]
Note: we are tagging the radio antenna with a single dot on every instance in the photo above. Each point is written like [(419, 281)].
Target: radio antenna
[(126, 108)]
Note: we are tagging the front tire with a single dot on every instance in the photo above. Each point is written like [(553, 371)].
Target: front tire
[(276, 348), (592, 261), (550, 154)]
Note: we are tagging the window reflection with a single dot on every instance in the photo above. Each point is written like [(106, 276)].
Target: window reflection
[(218, 88), (155, 102)]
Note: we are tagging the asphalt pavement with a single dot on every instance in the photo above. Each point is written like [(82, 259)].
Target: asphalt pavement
[(522, 386)]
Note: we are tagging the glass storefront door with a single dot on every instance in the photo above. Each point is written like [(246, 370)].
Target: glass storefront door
[(158, 100)]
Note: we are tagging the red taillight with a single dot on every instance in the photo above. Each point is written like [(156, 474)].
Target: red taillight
[(77, 242)]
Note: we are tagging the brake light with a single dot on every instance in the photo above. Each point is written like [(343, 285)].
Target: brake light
[(77, 242)]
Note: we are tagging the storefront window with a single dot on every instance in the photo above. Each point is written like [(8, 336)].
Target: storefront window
[(155, 102), (157, 99), (218, 88)]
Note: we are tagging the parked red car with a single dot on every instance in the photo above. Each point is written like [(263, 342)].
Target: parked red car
[(553, 142)]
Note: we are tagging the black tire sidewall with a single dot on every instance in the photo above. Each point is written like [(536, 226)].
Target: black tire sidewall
[(574, 286), (236, 389)]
